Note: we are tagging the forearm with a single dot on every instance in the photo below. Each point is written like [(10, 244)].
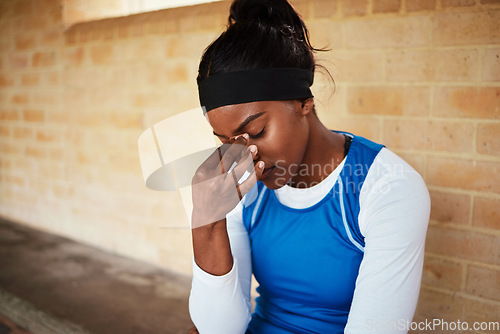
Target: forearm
[(217, 303), (212, 250)]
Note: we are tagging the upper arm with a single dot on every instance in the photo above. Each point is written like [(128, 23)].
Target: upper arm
[(394, 214)]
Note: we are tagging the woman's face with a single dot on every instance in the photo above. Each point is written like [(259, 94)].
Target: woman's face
[(279, 129)]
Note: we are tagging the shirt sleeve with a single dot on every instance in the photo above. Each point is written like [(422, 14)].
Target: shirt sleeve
[(221, 304), (394, 215)]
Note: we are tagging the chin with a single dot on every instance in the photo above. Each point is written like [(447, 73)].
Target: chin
[(274, 183)]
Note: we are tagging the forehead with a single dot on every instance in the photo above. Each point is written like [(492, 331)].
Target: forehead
[(228, 118)]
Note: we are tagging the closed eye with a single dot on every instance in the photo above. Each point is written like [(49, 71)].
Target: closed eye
[(258, 134)]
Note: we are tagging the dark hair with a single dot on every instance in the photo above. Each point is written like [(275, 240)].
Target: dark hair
[(259, 34)]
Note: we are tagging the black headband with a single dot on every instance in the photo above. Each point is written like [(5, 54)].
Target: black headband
[(267, 84)]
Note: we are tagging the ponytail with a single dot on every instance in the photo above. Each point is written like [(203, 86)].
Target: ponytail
[(259, 34)]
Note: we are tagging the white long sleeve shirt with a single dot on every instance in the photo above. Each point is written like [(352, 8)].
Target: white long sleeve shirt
[(393, 218)]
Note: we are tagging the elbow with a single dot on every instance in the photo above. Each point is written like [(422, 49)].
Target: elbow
[(210, 318)]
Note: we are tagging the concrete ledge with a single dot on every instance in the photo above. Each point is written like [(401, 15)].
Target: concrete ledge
[(50, 284), (29, 317)]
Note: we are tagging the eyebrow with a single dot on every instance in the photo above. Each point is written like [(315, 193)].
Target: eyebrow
[(244, 123)]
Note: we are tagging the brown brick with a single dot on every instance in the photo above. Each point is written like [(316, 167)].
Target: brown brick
[(451, 307), (161, 73), (164, 26), (388, 32), (58, 116), (388, 100), (354, 7), (450, 136), (324, 8), (25, 42), (486, 212), (429, 135), (386, 6), (35, 23), (45, 135), (4, 131), (432, 65), (407, 134), (20, 98), (463, 174), (51, 38), (22, 133), (302, 7), (439, 305), (417, 5), (36, 152), (47, 97), (442, 273), (11, 148), (19, 61), (125, 120), (488, 138), (43, 5), (9, 115), (368, 127), (74, 56), (468, 102), (462, 244), (50, 78), (491, 65), (42, 59), (187, 46), (414, 159), (91, 118), (6, 81), (14, 180), (467, 28), (325, 35), (450, 208), (101, 54), (476, 279), (30, 79), (23, 7), (63, 191), (358, 66), (482, 309), (33, 115), (141, 50), (457, 3)]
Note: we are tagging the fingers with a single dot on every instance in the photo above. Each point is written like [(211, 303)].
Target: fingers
[(244, 164), (259, 168), (248, 184), (232, 152), (253, 150)]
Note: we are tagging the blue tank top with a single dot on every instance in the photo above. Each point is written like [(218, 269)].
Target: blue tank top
[(307, 260)]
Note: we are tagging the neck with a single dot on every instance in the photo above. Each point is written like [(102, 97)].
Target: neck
[(324, 152)]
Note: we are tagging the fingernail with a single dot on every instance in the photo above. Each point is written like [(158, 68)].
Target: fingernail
[(253, 148), (246, 136), (261, 164)]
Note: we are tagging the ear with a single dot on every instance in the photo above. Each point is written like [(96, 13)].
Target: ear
[(307, 106)]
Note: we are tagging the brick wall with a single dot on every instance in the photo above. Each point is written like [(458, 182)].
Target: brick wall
[(420, 76)]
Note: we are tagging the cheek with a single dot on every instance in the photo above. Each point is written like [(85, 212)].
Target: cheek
[(282, 143)]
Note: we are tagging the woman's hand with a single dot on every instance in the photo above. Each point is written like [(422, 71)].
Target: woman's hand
[(215, 185)]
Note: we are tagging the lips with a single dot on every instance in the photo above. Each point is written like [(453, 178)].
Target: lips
[(267, 171)]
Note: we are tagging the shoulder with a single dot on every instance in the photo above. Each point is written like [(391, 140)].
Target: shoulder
[(392, 194), (390, 170)]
